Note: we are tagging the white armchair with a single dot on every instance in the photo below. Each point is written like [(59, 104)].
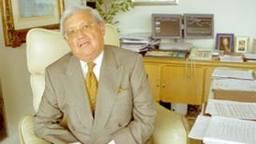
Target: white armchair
[(46, 46)]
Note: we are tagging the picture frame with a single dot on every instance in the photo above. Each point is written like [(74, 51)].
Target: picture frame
[(17, 19), (225, 42), (155, 2), (241, 45), (254, 45), (198, 26)]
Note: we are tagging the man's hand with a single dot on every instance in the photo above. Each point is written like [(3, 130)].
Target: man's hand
[(112, 142)]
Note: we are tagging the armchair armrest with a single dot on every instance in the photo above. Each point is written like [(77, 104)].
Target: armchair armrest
[(26, 132), (169, 127)]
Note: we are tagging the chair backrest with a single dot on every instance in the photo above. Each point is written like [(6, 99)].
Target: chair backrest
[(46, 46)]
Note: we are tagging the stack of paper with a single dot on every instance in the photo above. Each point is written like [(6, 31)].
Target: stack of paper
[(250, 57), (138, 42), (230, 58), (232, 73), (234, 84)]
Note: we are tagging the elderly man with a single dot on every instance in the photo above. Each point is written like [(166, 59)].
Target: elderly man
[(103, 91)]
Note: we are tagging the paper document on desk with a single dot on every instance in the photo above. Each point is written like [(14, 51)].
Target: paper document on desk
[(230, 131), (234, 84), (233, 73), (240, 110), (199, 128)]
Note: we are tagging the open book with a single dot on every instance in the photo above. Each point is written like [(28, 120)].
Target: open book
[(225, 108), (223, 130)]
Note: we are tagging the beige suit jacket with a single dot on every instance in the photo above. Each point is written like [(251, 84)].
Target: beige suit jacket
[(125, 111)]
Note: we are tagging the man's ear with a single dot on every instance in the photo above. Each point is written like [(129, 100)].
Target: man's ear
[(102, 27)]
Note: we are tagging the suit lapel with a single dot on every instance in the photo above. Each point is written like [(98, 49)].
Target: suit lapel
[(110, 78), (78, 92)]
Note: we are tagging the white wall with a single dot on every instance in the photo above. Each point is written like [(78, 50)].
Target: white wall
[(231, 16)]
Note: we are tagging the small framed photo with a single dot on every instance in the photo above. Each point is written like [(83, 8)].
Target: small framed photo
[(225, 42), (254, 45), (241, 44)]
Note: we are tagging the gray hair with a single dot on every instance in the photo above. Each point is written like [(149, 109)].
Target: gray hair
[(70, 11)]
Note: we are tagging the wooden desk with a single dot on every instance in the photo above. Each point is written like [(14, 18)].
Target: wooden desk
[(183, 81)]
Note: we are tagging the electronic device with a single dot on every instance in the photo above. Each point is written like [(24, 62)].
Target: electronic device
[(166, 26), (198, 26)]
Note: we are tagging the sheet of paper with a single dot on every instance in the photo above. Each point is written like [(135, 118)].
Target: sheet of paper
[(234, 84), (230, 131), (240, 110), (199, 127), (233, 73)]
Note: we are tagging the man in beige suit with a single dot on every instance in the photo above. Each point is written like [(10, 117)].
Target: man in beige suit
[(102, 91)]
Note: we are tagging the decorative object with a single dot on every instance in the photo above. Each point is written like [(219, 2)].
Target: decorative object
[(19, 16), (198, 25), (109, 8), (254, 45), (241, 44), (225, 42), (155, 2)]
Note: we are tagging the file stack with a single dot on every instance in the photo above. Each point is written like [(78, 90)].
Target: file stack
[(250, 57), (229, 118), (234, 84), (138, 42)]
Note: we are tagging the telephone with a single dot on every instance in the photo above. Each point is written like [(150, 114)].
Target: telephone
[(200, 54)]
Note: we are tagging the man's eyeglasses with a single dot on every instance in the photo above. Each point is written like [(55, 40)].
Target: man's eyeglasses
[(83, 28)]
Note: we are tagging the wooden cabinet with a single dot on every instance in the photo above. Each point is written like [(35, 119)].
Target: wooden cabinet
[(181, 81), (181, 85), (153, 71)]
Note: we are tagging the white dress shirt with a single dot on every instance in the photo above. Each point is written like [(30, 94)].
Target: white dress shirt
[(96, 69)]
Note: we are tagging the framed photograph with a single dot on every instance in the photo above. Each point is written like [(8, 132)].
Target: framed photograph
[(198, 26), (21, 15), (241, 44), (254, 45), (225, 42), (155, 2)]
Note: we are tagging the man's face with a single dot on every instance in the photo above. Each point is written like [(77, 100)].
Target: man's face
[(84, 35)]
